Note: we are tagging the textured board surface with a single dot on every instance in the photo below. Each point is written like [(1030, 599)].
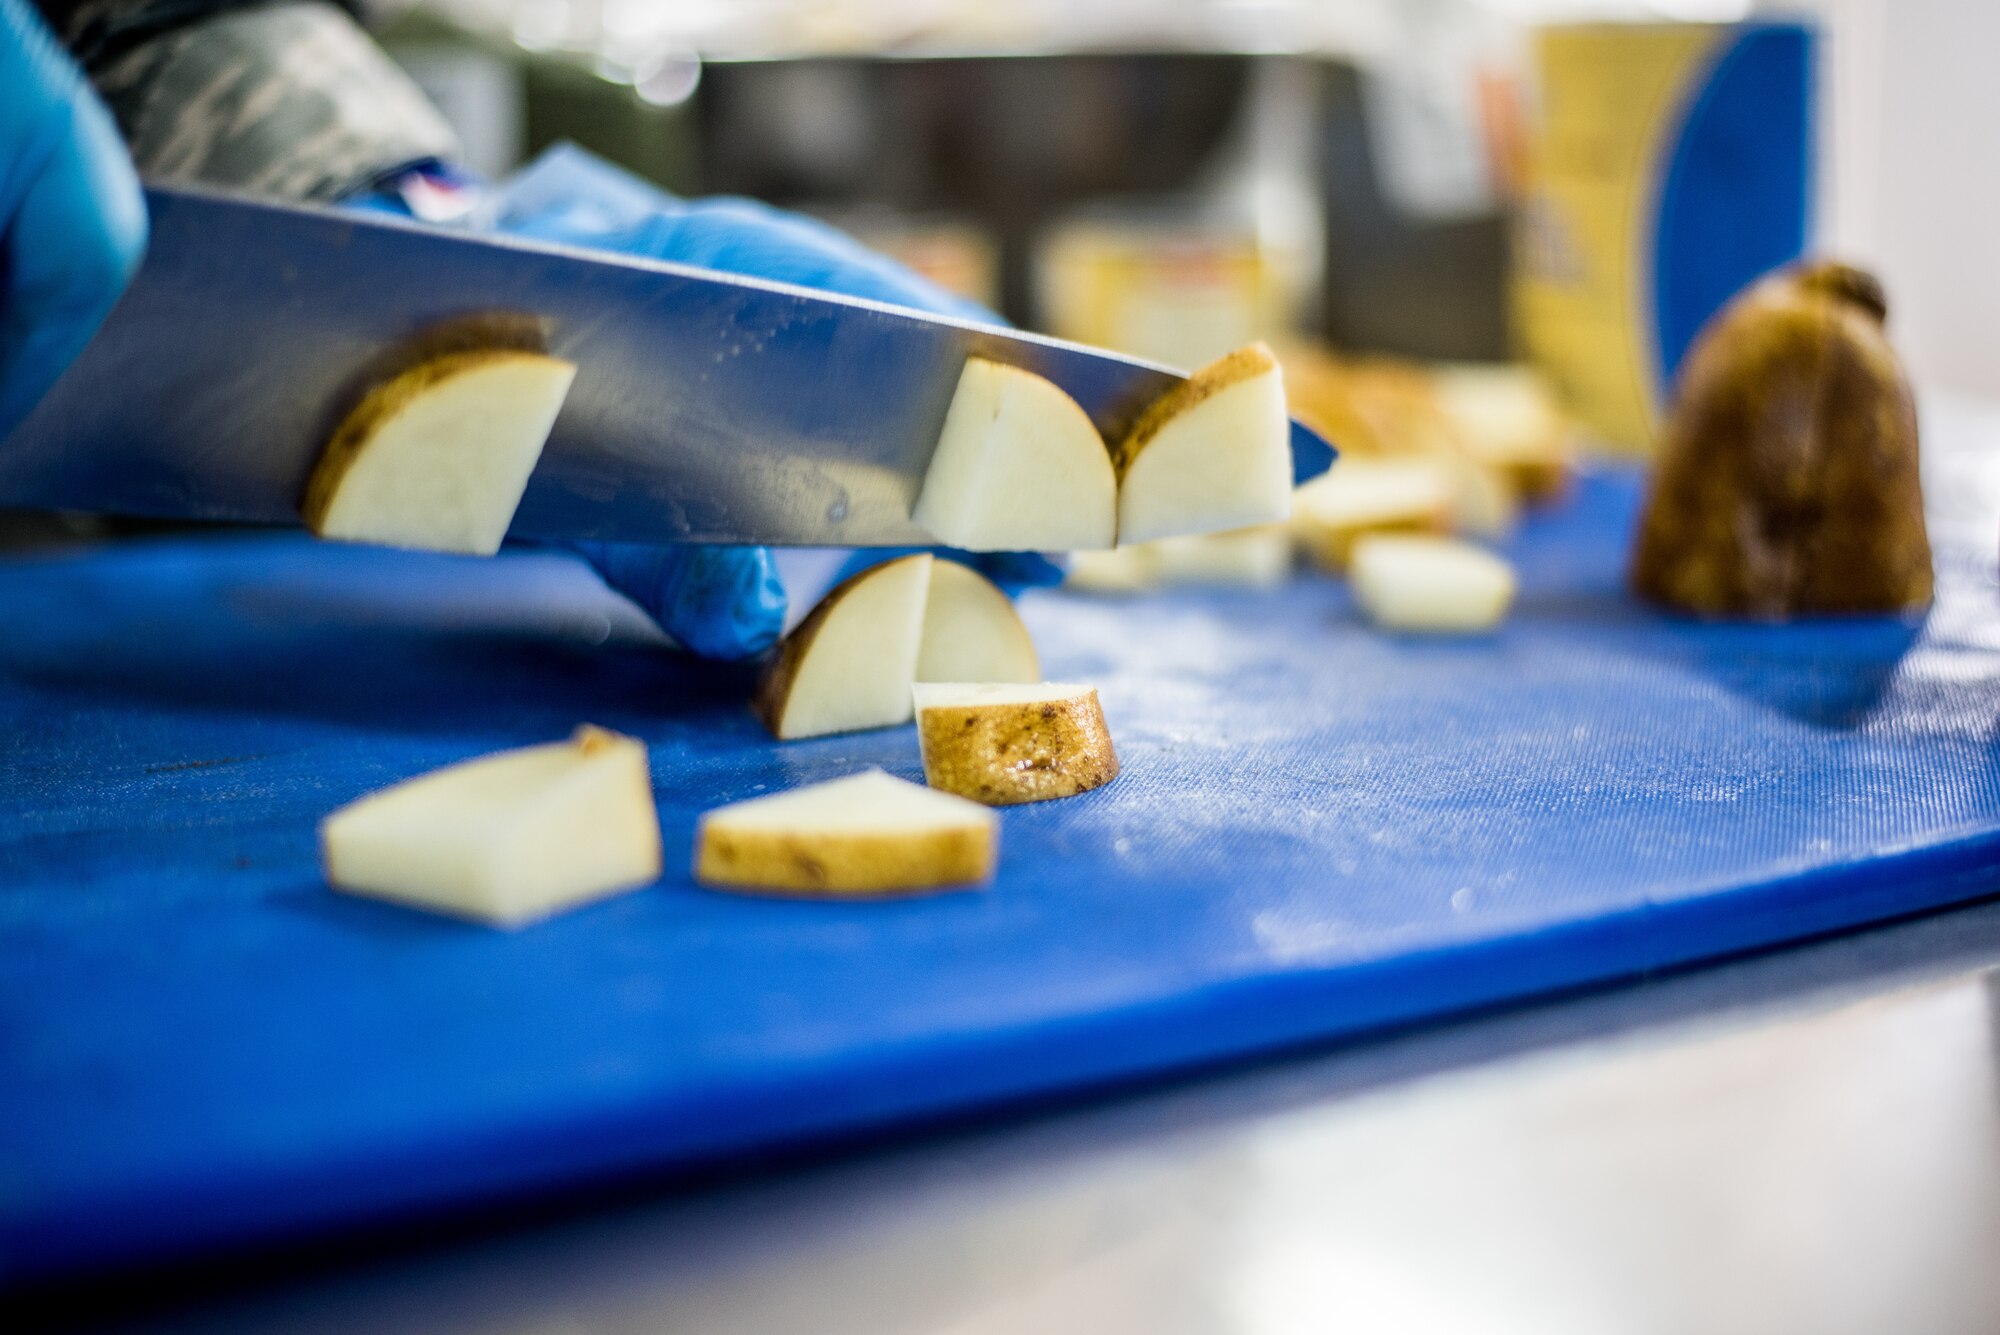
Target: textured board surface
[(1319, 830)]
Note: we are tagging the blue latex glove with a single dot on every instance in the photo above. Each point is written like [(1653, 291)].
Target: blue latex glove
[(72, 220)]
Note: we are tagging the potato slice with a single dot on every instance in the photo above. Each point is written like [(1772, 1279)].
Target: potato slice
[(506, 838), (972, 632), (1360, 496), (1211, 454), (1004, 743), (437, 458), (1133, 569), (865, 834), (1430, 584), (1019, 467), (850, 663), (1249, 558)]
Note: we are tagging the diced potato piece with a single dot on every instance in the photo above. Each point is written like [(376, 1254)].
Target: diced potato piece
[(971, 631), (868, 833), (1212, 454), (1254, 558), (506, 838), (1018, 467), (1006, 743), (1430, 584), (1133, 569), (1358, 496), (438, 457), (850, 663)]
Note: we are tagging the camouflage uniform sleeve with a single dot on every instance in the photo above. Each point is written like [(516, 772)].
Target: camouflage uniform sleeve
[(290, 100)]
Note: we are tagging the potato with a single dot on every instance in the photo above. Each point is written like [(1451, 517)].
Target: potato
[(437, 458), (1212, 454), (869, 833), (1250, 558), (971, 630), (1018, 467), (1787, 479), (1002, 744), (1123, 570), (850, 663), (506, 838), (1405, 582), (1362, 496)]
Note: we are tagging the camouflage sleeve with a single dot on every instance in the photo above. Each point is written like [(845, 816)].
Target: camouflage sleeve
[(290, 100)]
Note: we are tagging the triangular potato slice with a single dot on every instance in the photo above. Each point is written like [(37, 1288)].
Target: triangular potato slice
[(1405, 582), (972, 632), (850, 663), (1003, 743), (437, 458), (506, 838), (1212, 453), (865, 834), (1018, 468)]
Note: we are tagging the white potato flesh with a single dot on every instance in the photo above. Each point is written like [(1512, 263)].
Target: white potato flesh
[(972, 632), (1018, 467), (1133, 569), (855, 663), (1408, 582), (437, 459), (1358, 494), (1254, 558), (868, 832), (1223, 461), (506, 838)]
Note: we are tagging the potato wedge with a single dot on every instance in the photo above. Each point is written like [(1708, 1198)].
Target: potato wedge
[(1508, 419), (972, 632), (506, 838), (437, 457), (1019, 467), (1211, 454), (1405, 582), (869, 833), (850, 663), (1003, 744), (1361, 496)]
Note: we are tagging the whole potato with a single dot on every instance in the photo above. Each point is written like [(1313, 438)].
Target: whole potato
[(1787, 479)]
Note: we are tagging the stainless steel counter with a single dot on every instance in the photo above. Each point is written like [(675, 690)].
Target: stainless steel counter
[(1807, 1141)]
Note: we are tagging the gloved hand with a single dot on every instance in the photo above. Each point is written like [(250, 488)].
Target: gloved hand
[(721, 602), (72, 220)]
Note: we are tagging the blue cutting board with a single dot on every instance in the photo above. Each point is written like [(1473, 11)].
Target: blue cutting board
[(1320, 829)]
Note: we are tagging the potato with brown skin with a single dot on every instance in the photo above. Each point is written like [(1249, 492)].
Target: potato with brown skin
[(1787, 481), (1004, 744), (866, 834)]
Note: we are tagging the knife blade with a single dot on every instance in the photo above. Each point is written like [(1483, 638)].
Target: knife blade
[(706, 407)]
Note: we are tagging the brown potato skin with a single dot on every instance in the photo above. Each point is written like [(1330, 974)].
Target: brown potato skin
[(774, 686), (1004, 755), (1226, 370), (1787, 482), (827, 865)]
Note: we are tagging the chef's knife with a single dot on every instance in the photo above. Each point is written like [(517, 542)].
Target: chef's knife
[(706, 407)]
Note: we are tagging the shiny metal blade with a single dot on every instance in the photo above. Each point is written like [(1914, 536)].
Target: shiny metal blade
[(706, 408)]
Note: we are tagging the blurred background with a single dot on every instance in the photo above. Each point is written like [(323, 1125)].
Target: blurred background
[(1566, 183)]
